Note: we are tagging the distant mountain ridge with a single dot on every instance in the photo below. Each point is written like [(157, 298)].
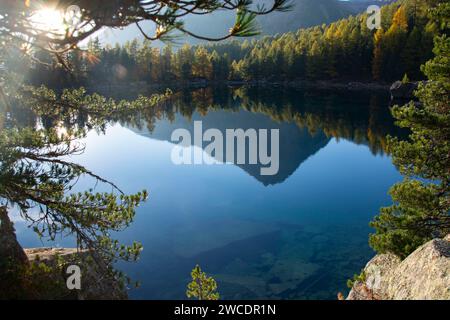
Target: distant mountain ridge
[(305, 13)]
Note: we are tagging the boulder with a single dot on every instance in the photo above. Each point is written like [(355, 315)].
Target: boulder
[(423, 275), (403, 91)]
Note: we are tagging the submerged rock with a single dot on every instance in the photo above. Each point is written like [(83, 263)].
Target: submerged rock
[(423, 275)]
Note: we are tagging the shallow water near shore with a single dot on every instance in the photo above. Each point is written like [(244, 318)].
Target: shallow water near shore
[(299, 234)]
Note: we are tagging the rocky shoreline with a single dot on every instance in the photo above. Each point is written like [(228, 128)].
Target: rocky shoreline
[(298, 84), (423, 275), (320, 85), (399, 91), (94, 284), (40, 273)]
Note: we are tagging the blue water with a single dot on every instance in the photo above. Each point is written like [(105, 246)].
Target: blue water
[(297, 235)]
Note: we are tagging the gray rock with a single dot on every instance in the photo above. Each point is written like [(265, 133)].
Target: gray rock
[(378, 271), (403, 91), (423, 275)]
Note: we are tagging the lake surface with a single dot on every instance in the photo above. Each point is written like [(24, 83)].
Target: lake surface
[(299, 234)]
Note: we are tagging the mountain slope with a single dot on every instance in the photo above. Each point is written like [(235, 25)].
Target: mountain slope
[(305, 13)]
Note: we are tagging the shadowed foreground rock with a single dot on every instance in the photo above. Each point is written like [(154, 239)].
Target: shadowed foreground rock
[(403, 91), (9, 247), (423, 275), (94, 284), (40, 273)]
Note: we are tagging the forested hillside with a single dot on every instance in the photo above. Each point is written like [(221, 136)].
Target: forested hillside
[(346, 50)]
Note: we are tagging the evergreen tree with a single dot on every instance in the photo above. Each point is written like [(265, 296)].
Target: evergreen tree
[(202, 67), (421, 209), (202, 287)]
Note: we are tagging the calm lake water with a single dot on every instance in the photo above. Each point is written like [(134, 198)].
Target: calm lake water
[(297, 235)]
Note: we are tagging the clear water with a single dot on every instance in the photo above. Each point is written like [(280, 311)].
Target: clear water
[(297, 235)]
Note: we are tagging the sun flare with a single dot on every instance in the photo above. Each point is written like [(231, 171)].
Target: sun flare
[(49, 20)]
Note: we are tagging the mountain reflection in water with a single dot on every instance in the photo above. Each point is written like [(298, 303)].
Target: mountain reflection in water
[(306, 121), (299, 234)]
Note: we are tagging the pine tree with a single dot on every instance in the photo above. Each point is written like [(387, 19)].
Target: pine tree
[(412, 54), (202, 67), (202, 287), (378, 55), (421, 209)]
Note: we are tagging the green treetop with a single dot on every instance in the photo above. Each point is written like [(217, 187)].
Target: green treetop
[(202, 287), (421, 202)]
